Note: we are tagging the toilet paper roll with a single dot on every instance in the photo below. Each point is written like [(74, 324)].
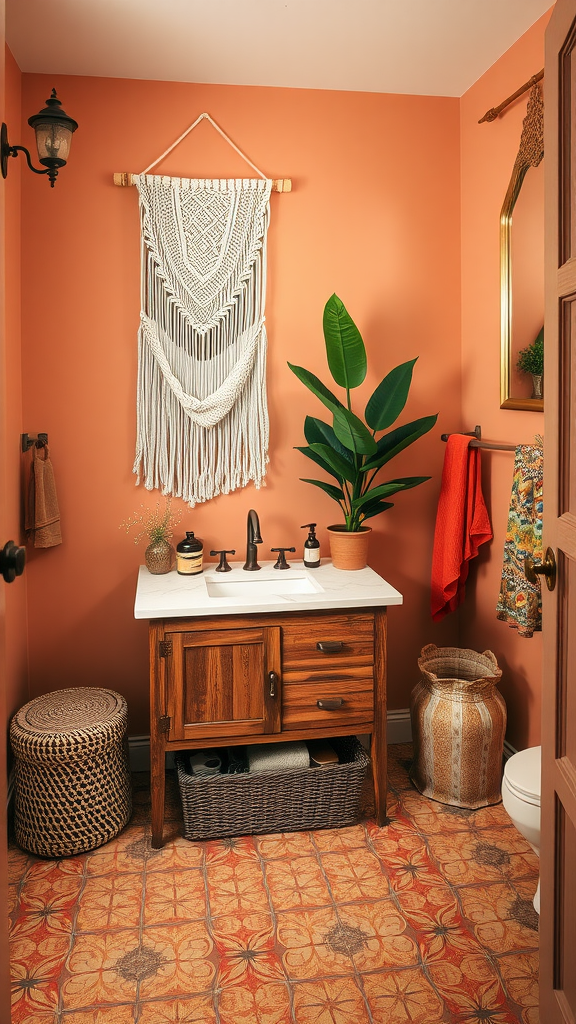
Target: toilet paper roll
[(267, 757), (205, 763)]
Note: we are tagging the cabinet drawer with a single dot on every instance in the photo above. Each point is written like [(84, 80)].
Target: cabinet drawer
[(339, 646), (355, 704)]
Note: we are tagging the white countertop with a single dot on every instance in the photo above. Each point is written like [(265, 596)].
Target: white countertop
[(174, 596)]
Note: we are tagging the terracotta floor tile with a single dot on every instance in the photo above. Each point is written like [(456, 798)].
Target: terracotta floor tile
[(298, 882), (268, 1003), (286, 844), (182, 959), (110, 901), (176, 855), (32, 1007), (520, 976), (398, 769), (102, 1015), (502, 916), (247, 950), (466, 857), (313, 944), (356, 875), (472, 989), (192, 1010), (410, 866), (104, 968), (330, 1001), (54, 885), (236, 887), (36, 963), (38, 950), (432, 817), (13, 899), (333, 840), (18, 862), (128, 852), (399, 997), (376, 935), (231, 850), (173, 896), (54, 870)]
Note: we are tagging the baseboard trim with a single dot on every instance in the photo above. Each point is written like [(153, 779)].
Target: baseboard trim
[(398, 730)]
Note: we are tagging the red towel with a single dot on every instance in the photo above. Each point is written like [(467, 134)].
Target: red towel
[(462, 525)]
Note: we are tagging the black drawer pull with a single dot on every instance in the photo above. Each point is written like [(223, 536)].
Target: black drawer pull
[(330, 705), (330, 646)]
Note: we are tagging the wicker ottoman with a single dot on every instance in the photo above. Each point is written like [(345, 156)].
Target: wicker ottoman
[(72, 780)]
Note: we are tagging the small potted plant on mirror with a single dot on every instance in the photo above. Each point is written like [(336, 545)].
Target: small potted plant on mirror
[(531, 360), (156, 524), (349, 449)]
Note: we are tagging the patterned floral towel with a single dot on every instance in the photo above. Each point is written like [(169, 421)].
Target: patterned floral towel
[(520, 602)]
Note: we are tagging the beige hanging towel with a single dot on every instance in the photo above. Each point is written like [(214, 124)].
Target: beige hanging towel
[(42, 520)]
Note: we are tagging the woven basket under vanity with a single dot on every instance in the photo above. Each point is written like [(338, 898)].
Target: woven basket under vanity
[(458, 726), (72, 779)]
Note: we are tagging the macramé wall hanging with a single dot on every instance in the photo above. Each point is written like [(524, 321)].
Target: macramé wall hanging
[(202, 418)]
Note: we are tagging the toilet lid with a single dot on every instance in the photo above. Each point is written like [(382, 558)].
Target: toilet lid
[(522, 771)]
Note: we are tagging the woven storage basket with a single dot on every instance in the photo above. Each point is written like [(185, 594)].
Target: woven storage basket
[(458, 725), (216, 806), (72, 780)]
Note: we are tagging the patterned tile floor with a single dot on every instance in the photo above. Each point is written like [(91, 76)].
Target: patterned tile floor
[(429, 920)]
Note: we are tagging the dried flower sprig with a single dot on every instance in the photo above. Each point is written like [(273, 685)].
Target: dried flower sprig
[(156, 523)]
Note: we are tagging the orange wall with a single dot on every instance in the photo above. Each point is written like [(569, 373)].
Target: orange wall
[(15, 594), (374, 216), (488, 152)]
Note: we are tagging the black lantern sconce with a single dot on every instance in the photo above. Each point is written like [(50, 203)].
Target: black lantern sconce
[(54, 130)]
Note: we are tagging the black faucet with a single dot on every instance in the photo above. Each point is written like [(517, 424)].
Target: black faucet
[(252, 539)]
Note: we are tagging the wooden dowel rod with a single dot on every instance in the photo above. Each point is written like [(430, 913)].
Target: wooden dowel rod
[(492, 114), (124, 178)]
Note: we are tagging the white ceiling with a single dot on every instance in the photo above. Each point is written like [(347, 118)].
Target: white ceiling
[(426, 47)]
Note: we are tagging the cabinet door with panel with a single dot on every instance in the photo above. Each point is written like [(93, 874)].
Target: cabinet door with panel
[(224, 683)]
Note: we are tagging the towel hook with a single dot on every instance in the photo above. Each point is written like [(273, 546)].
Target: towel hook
[(40, 441)]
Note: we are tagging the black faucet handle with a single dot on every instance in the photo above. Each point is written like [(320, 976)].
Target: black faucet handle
[(223, 565), (281, 562)]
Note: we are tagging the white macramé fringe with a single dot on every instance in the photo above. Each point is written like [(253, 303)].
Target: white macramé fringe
[(202, 419)]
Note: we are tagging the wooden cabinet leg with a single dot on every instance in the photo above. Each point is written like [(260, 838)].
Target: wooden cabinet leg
[(157, 790), (378, 753)]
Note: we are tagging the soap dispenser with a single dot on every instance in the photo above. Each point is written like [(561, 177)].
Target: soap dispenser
[(311, 547), (189, 555)]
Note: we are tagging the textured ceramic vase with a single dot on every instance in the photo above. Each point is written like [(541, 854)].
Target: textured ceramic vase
[(349, 549), (536, 385), (458, 725), (159, 557)]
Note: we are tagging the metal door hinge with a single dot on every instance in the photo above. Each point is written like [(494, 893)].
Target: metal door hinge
[(164, 723), (165, 648)]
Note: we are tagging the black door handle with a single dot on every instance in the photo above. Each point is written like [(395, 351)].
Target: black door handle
[(12, 561)]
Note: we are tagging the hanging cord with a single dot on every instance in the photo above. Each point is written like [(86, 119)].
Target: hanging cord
[(218, 129)]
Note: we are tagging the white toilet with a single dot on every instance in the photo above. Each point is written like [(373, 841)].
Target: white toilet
[(521, 798)]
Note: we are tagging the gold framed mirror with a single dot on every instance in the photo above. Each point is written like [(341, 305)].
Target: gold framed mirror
[(522, 261)]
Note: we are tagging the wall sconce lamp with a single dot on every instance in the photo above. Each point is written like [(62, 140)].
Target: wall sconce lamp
[(54, 130)]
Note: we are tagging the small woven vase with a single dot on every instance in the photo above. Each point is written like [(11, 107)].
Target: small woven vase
[(458, 725), (159, 557)]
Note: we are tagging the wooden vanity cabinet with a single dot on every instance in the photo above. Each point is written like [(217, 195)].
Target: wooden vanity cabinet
[(237, 679)]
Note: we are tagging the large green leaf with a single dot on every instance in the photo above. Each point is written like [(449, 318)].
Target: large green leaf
[(387, 402), (344, 346), (396, 440), (317, 387), (320, 462), (387, 489), (318, 432), (353, 434), (334, 492), (341, 467), (375, 509)]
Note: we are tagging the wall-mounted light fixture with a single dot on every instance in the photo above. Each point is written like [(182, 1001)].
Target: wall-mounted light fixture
[(54, 130)]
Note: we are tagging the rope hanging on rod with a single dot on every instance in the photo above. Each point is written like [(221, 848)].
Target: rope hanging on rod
[(124, 178)]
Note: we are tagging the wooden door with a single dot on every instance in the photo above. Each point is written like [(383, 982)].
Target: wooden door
[(558, 836), (224, 683)]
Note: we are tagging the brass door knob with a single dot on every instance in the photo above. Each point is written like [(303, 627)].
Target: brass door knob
[(546, 569)]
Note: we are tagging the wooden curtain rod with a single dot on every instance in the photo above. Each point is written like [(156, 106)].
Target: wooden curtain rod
[(493, 113), (124, 178)]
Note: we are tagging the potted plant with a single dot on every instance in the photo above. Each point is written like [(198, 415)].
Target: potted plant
[(349, 449), (157, 525), (531, 360)]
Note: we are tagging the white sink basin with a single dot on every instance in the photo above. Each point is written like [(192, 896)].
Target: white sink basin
[(257, 589)]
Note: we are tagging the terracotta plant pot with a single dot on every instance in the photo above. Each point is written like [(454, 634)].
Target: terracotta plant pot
[(349, 549)]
